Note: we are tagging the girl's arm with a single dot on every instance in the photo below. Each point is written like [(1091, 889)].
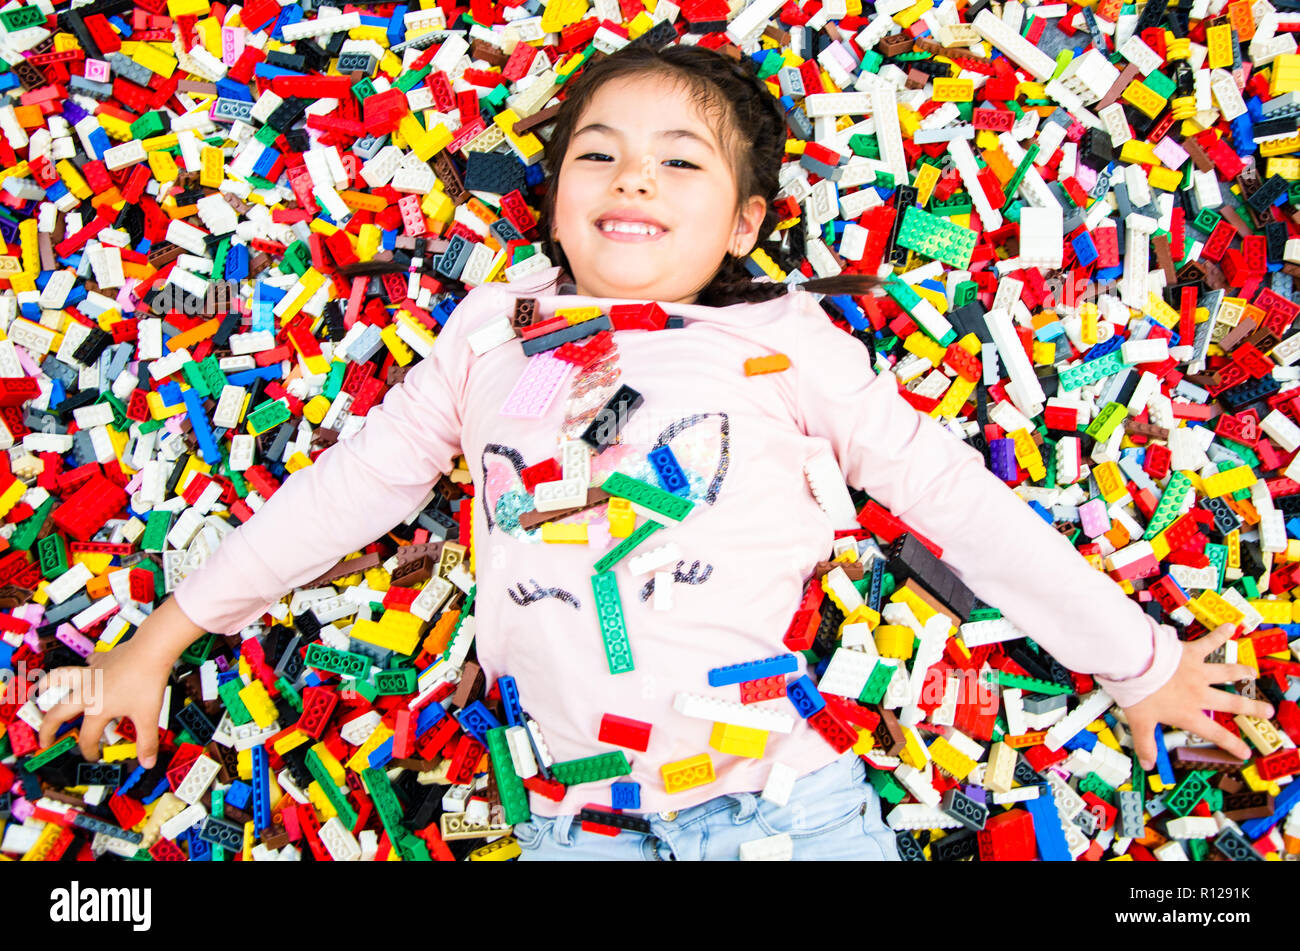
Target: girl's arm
[(355, 491), (1001, 549)]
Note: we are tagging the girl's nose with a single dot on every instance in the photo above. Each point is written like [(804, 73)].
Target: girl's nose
[(637, 175)]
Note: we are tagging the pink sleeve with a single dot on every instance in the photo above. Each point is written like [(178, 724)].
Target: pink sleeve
[(355, 491), (999, 547)]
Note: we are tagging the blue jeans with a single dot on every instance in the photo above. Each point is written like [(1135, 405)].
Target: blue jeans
[(833, 814)]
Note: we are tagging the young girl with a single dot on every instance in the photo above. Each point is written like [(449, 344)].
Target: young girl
[(665, 168)]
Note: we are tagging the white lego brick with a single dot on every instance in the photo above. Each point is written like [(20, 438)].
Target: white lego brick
[(726, 711)]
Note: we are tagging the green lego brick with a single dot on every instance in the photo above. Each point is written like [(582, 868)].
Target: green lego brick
[(877, 683), (648, 496), (514, 798), (269, 415), (592, 769), (395, 682), (1098, 787), (1031, 683), (619, 551), (412, 78), (347, 815), (334, 379), (885, 783), (363, 89), (1021, 170), (1171, 501), (1187, 794), (25, 535), (289, 693), (385, 801), (1111, 415), (1218, 557), (229, 692), (334, 661), (936, 237), (155, 531), (613, 628), (867, 146), (198, 652), (1160, 84), (53, 556), (54, 752)]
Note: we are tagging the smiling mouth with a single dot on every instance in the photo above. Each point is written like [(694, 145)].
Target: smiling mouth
[(637, 235)]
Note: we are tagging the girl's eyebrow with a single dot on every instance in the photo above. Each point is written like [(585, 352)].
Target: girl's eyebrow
[(664, 133)]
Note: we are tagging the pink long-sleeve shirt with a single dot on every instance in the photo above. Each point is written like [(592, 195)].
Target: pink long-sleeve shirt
[(747, 547)]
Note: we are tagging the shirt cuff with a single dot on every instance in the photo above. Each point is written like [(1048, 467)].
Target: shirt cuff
[(1167, 652)]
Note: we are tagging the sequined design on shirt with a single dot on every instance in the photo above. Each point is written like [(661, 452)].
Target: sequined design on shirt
[(701, 443)]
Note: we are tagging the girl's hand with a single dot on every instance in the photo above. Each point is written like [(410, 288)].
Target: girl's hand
[(127, 681), (1182, 701)]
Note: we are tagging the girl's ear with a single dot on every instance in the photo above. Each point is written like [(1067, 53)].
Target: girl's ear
[(749, 221)]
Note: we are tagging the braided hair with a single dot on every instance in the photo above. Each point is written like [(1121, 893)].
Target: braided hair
[(753, 129)]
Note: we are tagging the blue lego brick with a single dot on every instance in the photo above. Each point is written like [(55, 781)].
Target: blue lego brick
[(238, 794), (1083, 740), (510, 700), (208, 448), (1047, 829), (381, 754), (753, 670), (476, 720), (805, 696), (430, 715), (625, 795), (261, 789), (1282, 804), (669, 472), (1041, 512), (1163, 766)]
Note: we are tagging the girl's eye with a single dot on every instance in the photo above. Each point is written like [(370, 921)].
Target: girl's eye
[(604, 156)]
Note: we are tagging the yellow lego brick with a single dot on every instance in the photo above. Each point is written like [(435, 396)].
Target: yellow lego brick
[(331, 764), (1143, 99), (438, 206), (1044, 352), (1165, 179), (163, 166), (622, 520), (1246, 653), (910, 15), (183, 8), (299, 460), (576, 315), (368, 242), (1134, 152), (118, 752), (923, 346), (1233, 480), (1177, 47), (153, 59), (959, 393), (1110, 481), (1218, 40), (324, 808), (738, 740), (259, 704), (1027, 454), (290, 741), (914, 751), (865, 742), (950, 759), (894, 640), (45, 842), (1285, 76), (927, 177), (556, 533), (1273, 612), (1287, 168), (308, 284), (922, 611), (528, 145), (361, 758), (314, 410), (1212, 610), (1281, 146), (687, 773), (402, 354), (72, 179), (118, 129), (953, 90), (502, 850), (212, 166), (393, 635)]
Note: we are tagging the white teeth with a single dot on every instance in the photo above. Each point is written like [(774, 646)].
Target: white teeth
[(629, 227)]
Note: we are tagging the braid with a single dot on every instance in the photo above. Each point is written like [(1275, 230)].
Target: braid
[(733, 284)]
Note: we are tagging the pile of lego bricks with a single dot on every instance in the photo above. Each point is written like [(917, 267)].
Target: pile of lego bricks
[(1086, 213)]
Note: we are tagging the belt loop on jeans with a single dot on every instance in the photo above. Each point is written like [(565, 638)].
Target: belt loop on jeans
[(747, 805), (562, 829)]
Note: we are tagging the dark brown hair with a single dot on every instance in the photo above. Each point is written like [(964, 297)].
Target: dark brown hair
[(752, 128)]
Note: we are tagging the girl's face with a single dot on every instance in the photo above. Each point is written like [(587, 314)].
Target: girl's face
[(642, 149)]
